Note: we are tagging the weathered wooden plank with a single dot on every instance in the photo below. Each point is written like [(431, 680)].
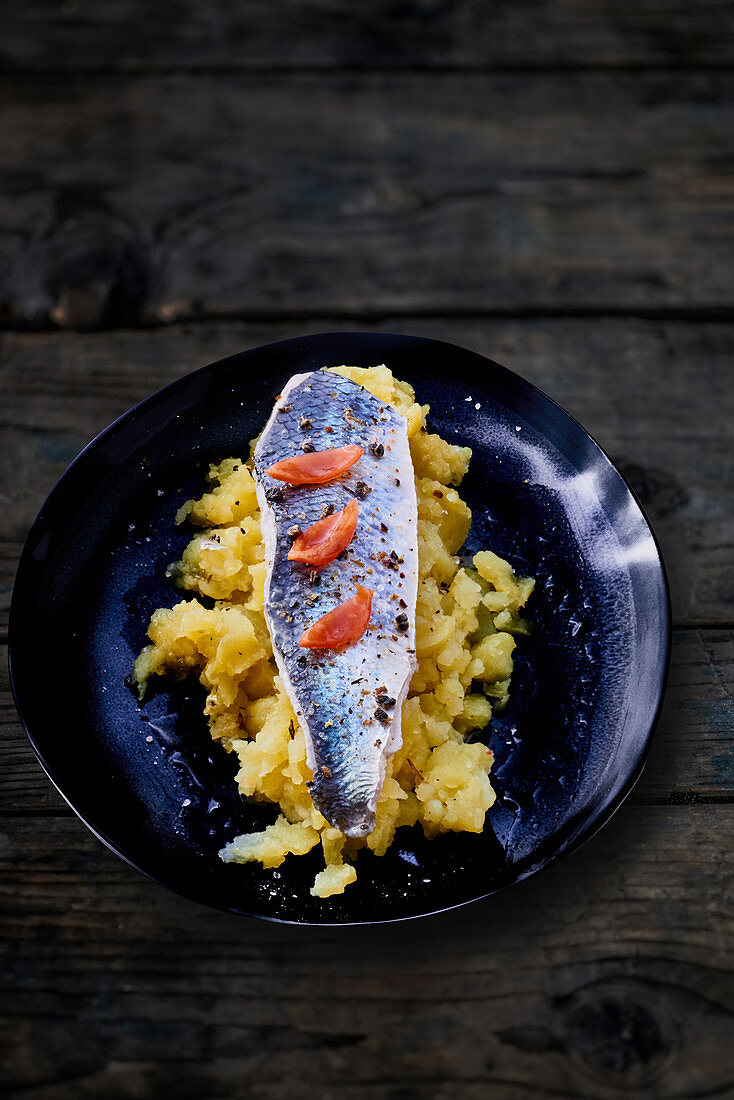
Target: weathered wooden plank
[(692, 758), (656, 395), (693, 751), (609, 975), (23, 783), (133, 35), (177, 196)]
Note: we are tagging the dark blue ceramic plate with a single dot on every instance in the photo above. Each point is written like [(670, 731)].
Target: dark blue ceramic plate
[(148, 781)]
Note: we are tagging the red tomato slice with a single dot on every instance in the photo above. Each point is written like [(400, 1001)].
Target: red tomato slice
[(316, 468), (345, 624), (326, 539)]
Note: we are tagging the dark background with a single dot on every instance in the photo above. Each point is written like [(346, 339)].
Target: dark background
[(550, 183)]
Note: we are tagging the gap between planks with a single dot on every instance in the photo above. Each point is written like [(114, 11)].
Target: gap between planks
[(689, 314), (514, 68)]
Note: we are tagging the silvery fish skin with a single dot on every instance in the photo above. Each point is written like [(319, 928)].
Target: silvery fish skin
[(334, 693)]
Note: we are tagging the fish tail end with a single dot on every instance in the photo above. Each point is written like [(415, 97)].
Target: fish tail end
[(359, 826), (355, 819)]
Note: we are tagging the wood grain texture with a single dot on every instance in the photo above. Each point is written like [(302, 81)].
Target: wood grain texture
[(177, 196), (131, 35), (550, 182), (60, 390), (609, 976), (692, 758), (24, 785)]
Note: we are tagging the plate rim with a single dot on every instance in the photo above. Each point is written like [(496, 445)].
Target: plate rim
[(586, 833)]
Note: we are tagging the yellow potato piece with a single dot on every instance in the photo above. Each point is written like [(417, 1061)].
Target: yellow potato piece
[(272, 845), (494, 657)]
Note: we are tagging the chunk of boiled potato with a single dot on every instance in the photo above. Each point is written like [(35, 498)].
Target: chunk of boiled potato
[(272, 845), (492, 657), (434, 457)]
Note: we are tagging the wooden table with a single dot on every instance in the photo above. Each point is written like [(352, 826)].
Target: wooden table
[(551, 183)]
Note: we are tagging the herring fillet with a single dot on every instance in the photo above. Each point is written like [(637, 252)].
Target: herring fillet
[(334, 693)]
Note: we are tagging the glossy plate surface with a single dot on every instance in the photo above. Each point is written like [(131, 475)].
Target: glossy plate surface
[(148, 781)]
